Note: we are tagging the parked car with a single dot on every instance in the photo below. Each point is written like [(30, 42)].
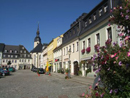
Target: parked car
[(34, 69), (0, 74), (4, 72), (11, 69), (41, 71)]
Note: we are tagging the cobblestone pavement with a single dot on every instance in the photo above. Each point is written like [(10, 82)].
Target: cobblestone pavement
[(27, 84)]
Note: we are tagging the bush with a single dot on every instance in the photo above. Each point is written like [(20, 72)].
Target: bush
[(79, 72), (87, 71), (59, 71)]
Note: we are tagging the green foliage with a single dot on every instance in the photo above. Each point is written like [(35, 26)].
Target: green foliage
[(67, 70), (79, 72), (59, 71), (87, 71)]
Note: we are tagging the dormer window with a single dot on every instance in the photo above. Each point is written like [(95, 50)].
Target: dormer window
[(105, 8), (5, 51), (77, 29), (86, 24), (10, 51), (21, 51), (24, 51), (94, 16), (90, 21), (73, 31), (22, 47), (15, 51), (100, 12)]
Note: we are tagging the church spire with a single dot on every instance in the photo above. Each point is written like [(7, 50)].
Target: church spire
[(38, 30)]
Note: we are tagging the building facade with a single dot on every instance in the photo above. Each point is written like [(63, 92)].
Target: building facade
[(95, 32), (18, 56), (70, 46), (36, 51), (58, 55)]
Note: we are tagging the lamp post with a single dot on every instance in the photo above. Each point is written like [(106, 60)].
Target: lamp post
[(69, 52)]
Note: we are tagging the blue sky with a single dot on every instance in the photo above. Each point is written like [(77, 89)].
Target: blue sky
[(19, 19)]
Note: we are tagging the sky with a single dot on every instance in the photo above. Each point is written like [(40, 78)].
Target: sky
[(19, 19)]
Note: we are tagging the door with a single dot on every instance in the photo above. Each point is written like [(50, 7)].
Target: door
[(76, 69)]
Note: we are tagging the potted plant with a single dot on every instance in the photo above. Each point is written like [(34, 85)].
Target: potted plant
[(88, 49), (83, 51)]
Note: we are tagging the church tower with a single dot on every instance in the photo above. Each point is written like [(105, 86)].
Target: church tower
[(37, 39)]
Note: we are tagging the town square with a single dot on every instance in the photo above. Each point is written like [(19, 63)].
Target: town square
[(65, 49)]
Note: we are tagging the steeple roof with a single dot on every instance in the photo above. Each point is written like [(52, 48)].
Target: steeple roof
[(37, 38)]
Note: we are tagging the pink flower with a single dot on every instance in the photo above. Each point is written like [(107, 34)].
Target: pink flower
[(120, 7), (114, 8), (96, 84), (83, 94), (128, 53), (116, 57), (109, 24), (121, 34), (112, 56), (127, 37), (90, 87)]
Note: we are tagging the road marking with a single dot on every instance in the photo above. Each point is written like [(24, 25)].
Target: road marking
[(74, 87)]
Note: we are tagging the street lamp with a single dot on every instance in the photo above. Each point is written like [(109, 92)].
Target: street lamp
[(69, 52)]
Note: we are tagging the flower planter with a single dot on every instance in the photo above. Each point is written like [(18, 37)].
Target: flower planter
[(83, 51), (88, 49)]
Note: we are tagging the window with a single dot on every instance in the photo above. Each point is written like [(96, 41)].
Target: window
[(22, 47), (105, 8), (86, 23), (3, 55), (25, 60), (12, 61), (16, 56), (77, 28), (100, 12), (83, 45), (89, 42), (66, 50), (6, 60), (24, 51), (77, 46), (73, 48), (3, 61), (11, 51), (20, 60), (73, 31), (5, 51), (8, 56), (70, 47), (94, 16), (15, 61), (11, 56), (21, 51), (15, 51), (28, 55), (98, 38), (24, 55), (90, 21), (28, 60), (109, 33)]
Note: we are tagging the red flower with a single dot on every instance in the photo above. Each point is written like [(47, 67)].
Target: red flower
[(97, 47), (83, 51), (108, 42), (88, 49)]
